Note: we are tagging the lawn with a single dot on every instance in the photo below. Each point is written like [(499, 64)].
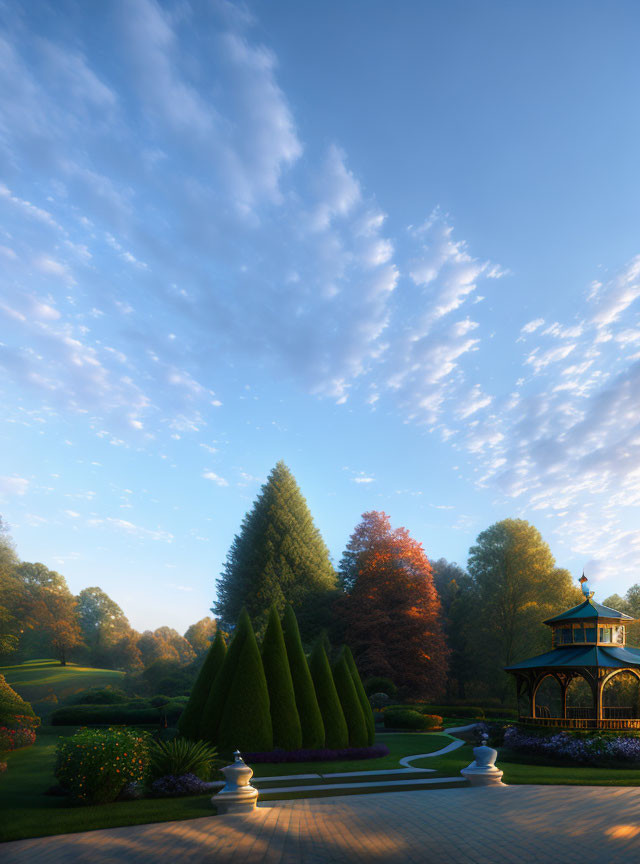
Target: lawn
[(36, 680), (28, 812), (399, 743)]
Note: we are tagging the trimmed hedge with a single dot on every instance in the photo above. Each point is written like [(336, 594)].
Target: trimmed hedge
[(139, 712), (378, 684), (189, 723), (474, 712), (102, 696), (285, 720), (356, 723), (14, 711), (306, 700), (246, 719), (216, 700), (362, 696), (406, 718), (335, 725)]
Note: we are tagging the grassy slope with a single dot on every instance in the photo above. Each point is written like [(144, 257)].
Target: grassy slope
[(36, 679)]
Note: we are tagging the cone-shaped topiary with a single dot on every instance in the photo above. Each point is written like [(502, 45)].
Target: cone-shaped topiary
[(306, 699), (362, 696), (335, 726), (214, 706), (246, 719), (189, 722), (285, 720), (356, 724)]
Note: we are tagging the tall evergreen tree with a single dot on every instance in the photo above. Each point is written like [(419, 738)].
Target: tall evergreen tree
[(356, 723), (335, 725), (246, 718), (362, 696), (306, 699), (287, 734), (189, 722), (277, 558), (214, 706)]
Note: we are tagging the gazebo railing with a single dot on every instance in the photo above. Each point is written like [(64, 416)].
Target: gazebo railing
[(584, 722)]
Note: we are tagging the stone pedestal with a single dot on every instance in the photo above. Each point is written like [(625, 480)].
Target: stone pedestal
[(236, 796), (483, 771)]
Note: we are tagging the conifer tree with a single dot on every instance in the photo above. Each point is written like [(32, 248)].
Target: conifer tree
[(285, 720), (362, 696), (356, 724), (189, 722), (335, 726), (306, 700), (278, 556), (246, 718), (214, 706)]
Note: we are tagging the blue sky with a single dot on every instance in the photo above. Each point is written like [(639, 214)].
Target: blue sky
[(395, 245)]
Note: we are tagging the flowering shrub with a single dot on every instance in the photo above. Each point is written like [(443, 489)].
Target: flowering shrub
[(13, 739), (593, 748), (322, 755), (94, 765), (171, 786)]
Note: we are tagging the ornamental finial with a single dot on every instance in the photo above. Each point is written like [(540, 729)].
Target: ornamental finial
[(584, 584)]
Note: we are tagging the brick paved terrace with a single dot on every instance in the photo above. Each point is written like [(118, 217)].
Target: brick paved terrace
[(509, 824)]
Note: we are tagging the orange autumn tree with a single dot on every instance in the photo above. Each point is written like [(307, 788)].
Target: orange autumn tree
[(390, 610)]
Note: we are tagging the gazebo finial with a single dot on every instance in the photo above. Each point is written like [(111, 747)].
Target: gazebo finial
[(584, 584)]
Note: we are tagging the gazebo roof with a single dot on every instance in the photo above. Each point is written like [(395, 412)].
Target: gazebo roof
[(613, 657), (589, 609)]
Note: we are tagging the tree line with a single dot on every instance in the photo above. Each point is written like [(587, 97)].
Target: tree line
[(41, 617), (434, 628)]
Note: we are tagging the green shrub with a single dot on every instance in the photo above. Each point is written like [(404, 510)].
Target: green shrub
[(159, 701), (356, 723), (214, 706), (101, 696), (306, 699), (335, 725), (377, 684), (189, 723), (502, 713), (181, 756), (14, 711), (246, 719), (285, 720), (464, 711), (362, 696), (94, 765), (137, 712), (407, 718)]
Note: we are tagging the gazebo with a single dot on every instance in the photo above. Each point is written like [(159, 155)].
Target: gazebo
[(589, 642)]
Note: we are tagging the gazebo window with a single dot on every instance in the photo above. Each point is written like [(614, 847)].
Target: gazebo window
[(605, 634), (578, 634), (591, 634), (566, 635)]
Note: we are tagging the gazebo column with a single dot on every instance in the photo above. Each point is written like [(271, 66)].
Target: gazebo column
[(564, 685), (599, 693)]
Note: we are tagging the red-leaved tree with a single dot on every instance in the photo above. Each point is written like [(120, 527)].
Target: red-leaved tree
[(390, 610)]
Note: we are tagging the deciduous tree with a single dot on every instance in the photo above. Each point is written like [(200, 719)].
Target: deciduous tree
[(391, 611)]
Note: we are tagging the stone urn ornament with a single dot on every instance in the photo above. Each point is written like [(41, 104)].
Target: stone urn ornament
[(483, 771), (237, 795)]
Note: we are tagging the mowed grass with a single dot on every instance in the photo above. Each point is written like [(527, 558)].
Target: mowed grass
[(26, 811), (399, 743), (36, 680)]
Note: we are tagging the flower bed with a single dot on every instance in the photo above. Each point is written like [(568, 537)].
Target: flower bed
[(13, 739), (171, 786), (323, 755), (577, 747)]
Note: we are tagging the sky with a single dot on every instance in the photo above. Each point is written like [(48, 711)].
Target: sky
[(395, 245)]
